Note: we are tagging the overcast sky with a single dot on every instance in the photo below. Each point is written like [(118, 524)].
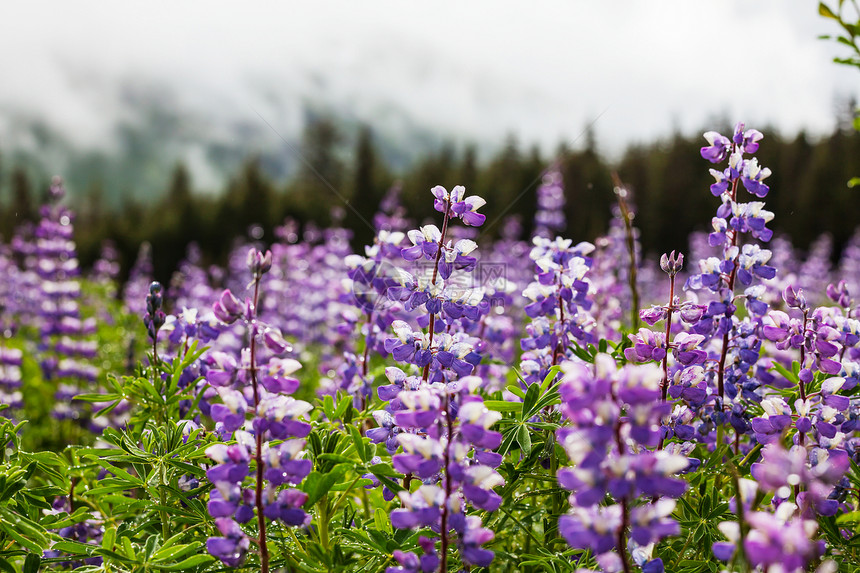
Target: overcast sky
[(477, 70)]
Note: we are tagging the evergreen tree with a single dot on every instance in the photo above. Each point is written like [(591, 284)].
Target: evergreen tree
[(366, 191)]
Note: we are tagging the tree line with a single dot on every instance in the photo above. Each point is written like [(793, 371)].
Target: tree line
[(668, 179)]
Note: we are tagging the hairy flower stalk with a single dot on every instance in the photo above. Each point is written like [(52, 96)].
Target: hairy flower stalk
[(66, 345), (432, 327), (559, 305), (258, 265), (670, 265), (614, 419), (630, 236), (275, 417), (435, 415), (734, 218)]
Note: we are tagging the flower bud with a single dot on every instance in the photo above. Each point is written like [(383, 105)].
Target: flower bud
[(794, 298), (259, 263), (154, 317), (672, 263)]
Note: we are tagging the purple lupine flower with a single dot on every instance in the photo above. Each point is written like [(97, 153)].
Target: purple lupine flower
[(774, 539), (718, 148), (464, 208), (753, 175), (443, 428), (425, 243), (428, 562), (603, 404), (593, 527), (839, 294), (549, 215), (471, 540), (246, 387), (421, 508), (232, 546)]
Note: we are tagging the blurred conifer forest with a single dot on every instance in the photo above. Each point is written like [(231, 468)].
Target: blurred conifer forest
[(811, 174)]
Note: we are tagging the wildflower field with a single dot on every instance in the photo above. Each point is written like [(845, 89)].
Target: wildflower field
[(439, 401)]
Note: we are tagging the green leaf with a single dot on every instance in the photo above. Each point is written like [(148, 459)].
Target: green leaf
[(503, 405), (175, 551), (529, 401), (31, 564), (190, 563), (359, 443), (317, 485), (73, 547), (550, 376), (516, 390), (824, 10), (108, 538), (385, 470), (854, 181), (98, 397), (128, 548), (328, 407), (337, 458), (524, 439), (850, 517), (342, 407), (789, 375), (382, 521)]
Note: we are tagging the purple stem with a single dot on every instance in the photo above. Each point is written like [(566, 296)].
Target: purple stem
[(258, 454)]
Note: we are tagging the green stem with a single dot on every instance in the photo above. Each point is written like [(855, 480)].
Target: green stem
[(324, 521), (345, 494), (751, 453), (165, 519), (258, 453), (744, 528), (519, 523), (621, 195), (556, 497)]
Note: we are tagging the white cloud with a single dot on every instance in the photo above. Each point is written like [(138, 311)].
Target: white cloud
[(479, 70)]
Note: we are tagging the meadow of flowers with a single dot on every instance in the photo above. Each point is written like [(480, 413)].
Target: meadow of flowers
[(439, 401)]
